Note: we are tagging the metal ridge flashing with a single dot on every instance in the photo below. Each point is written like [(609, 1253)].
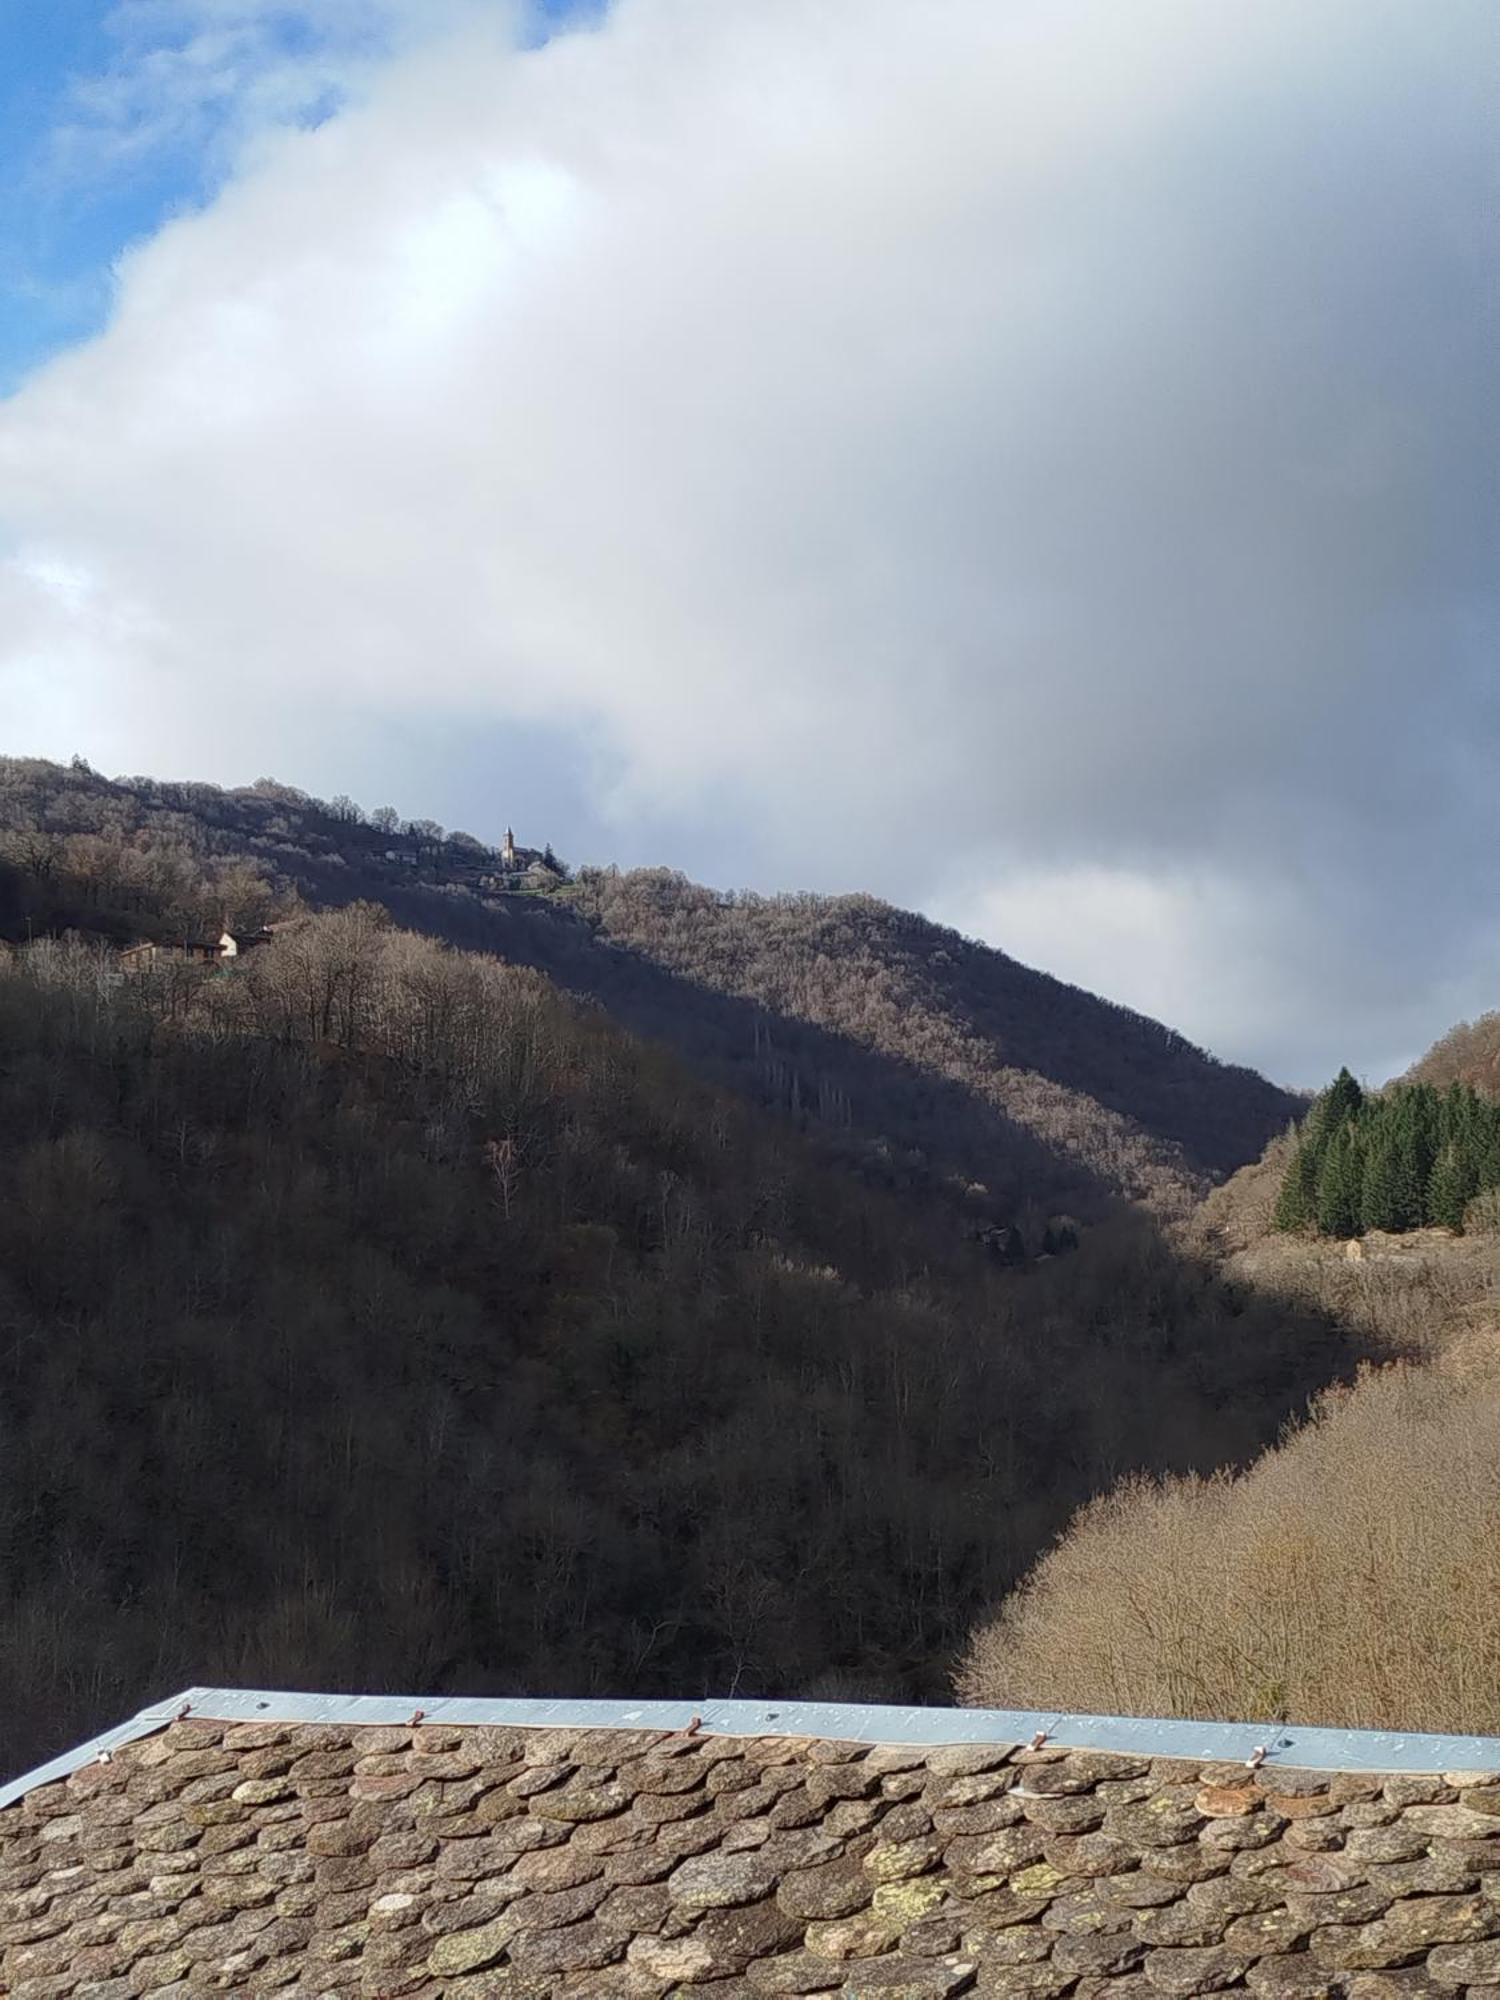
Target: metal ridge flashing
[(97, 1750), (1249, 1743), (860, 1722)]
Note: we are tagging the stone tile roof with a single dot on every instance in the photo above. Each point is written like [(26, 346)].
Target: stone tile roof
[(297, 1858)]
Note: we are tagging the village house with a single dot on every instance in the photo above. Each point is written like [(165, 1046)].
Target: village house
[(228, 945), (521, 868)]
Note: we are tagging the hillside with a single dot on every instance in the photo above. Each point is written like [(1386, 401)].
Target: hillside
[(1349, 1575), (1469, 1053), (1442, 1111), (1419, 1292), (1126, 1103), (930, 1062), (377, 1314)]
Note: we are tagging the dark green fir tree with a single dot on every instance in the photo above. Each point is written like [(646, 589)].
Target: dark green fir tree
[(1342, 1101), (1340, 1185), (1451, 1188), (1381, 1192), (1422, 1120), (1297, 1200), (1399, 1129)]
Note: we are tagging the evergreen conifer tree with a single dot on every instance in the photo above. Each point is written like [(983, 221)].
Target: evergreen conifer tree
[(1423, 1118), (1457, 1124), (1449, 1190), (1297, 1201), (1411, 1187), (1397, 1121), (1340, 1185), (1342, 1100), (1381, 1195), (1330, 1109)]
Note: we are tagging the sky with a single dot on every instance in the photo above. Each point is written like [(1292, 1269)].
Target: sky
[(1035, 460)]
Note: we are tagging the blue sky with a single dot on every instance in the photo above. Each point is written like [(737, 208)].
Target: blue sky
[(54, 249), (92, 160)]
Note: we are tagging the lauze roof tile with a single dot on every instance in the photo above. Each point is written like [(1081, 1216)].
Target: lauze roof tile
[(308, 1859)]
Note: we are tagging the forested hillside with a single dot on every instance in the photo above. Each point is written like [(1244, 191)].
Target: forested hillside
[(1352, 1576), (1120, 1102), (1349, 1576), (374, 1314), (1468, 1054), (926, 1061)]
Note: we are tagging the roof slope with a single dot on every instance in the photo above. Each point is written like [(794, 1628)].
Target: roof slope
[(386, 1860)]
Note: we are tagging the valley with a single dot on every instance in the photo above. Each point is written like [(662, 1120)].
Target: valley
[(584, 1289)]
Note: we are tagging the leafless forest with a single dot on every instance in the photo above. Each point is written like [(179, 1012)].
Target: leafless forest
[(920, 1059), (1352, 1576), (378, 1314)]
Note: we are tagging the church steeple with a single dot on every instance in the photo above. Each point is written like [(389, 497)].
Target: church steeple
[(508, 851)]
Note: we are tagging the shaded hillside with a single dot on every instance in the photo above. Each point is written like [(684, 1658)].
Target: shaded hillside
[(1131, 1103), (930, 1063), (372, 1316)]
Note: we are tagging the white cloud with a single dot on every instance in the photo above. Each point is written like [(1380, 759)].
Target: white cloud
[(979, 445), (210, 75), (1233, 958)]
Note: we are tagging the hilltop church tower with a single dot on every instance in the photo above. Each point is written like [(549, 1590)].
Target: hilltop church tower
[(508, 851)]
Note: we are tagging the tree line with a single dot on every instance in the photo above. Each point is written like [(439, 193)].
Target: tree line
[(1410, 1157)]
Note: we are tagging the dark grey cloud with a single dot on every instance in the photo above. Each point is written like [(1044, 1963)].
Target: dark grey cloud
[(1036, 461)]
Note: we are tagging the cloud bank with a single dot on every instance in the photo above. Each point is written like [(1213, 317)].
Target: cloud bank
[(1033, 460)]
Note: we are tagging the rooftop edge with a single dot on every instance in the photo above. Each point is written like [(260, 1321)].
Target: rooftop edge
[(855, 1722)]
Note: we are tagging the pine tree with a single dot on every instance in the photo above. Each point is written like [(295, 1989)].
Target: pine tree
[(1456, 1123), (1297, 1201), (1325, 1114), (1381, 1204), (1339, 1185), (1397, 1121), (1423, 1114), (1342, 1101), (1410, 1203), (1449, 1190)]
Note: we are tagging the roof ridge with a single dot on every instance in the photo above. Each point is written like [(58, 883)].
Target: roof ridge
[(1250, 1743)]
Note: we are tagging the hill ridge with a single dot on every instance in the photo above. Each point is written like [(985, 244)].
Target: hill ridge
[(931, 1059)]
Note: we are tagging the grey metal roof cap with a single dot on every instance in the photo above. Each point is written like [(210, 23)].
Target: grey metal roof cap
[(854, 1722)]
